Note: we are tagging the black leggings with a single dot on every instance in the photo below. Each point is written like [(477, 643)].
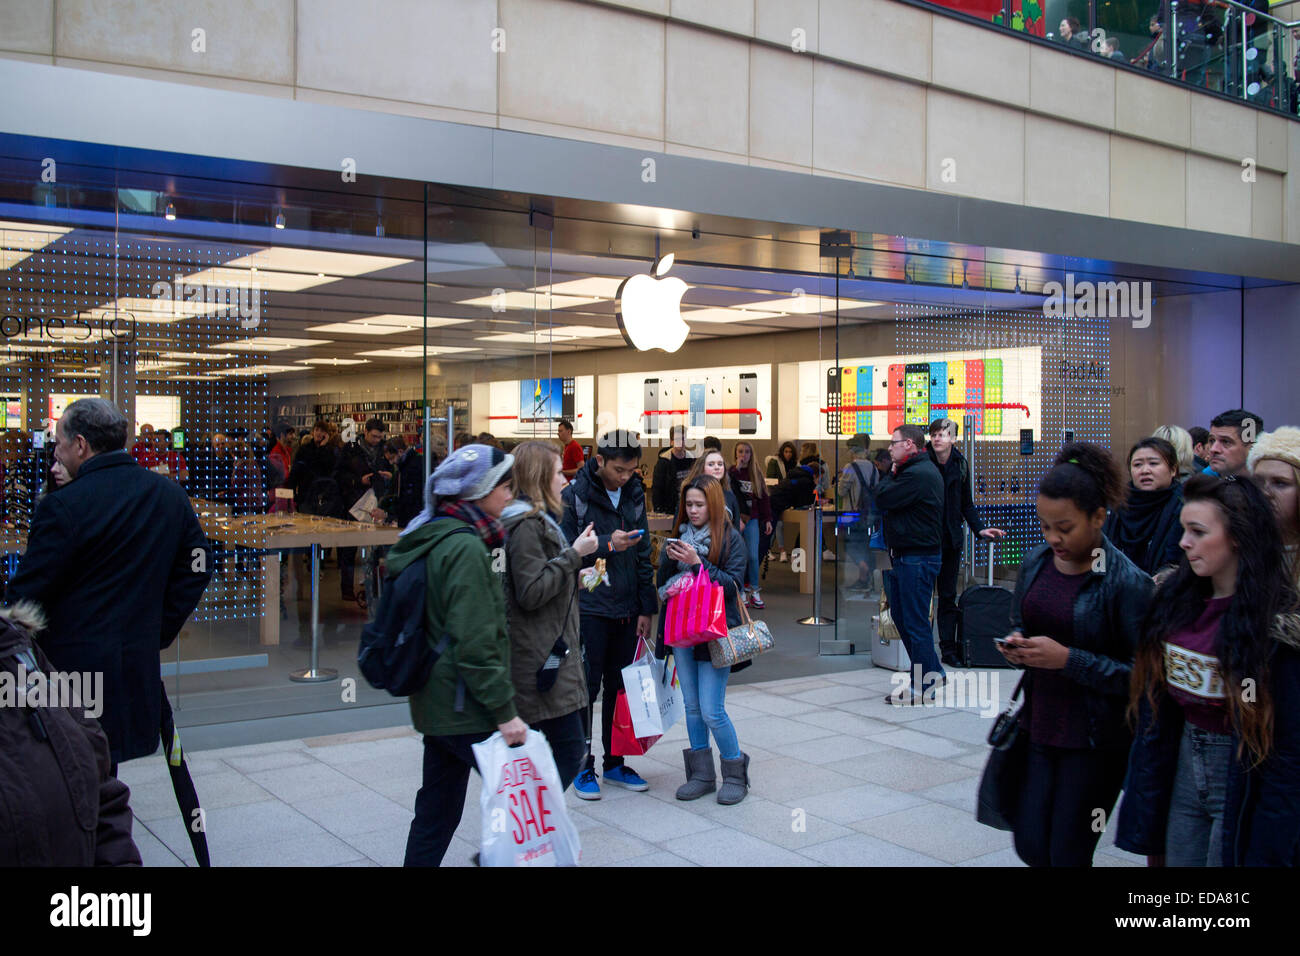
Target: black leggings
[(1058, 823)]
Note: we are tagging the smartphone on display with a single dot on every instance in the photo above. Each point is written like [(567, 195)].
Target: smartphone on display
[(749, 400), (975, 392), (894, 396), (713, 410), (917, 383), (178, 439), (650, 423), (681, 400), (833, 400), (939, 389), (957, 394), (862, 421), (1026, 443), (993, 394), (697, 405), (848, 398), (567, 399), (731, 403)]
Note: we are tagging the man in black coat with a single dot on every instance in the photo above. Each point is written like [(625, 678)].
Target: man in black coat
[(118, 561), (958, 507), (910, 497)]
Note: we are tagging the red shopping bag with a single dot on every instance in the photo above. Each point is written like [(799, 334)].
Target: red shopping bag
[(696, 615), (626, 743)]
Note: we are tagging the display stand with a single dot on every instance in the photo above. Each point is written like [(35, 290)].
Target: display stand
[(815, 619), (315, 674)]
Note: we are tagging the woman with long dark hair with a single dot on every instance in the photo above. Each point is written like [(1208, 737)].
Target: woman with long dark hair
[(1079, 600), (1146, 527), (1215, 768), (706, 538)]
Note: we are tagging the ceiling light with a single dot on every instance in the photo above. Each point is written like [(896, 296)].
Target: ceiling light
[(728, 315), (601, 287), (198, 356), (153, 311), (248, 370), (529, 300), (170, 213), (561, 333), (418, 351), (18, 240), (315, 261), (268, 280), (384, 324), (279, 220), (270, 344), (333, 361)]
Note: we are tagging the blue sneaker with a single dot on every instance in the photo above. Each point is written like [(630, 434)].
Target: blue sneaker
[(585, 786), (626, 778)]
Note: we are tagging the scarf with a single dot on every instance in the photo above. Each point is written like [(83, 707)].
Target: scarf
[(523, 505), (1136, 522), (488, 528), (697, 538)]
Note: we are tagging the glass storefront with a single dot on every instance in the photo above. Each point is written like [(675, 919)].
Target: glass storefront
[(217, 302)]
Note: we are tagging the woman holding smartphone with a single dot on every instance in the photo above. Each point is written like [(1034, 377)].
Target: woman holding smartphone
[(1074, 624), (755, 515), (707, 539), (1215, 766)]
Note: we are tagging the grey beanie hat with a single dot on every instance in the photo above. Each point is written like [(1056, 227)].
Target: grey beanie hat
[(470, 472)]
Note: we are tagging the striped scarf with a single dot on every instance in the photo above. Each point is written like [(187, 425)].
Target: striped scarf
[(491, 530)]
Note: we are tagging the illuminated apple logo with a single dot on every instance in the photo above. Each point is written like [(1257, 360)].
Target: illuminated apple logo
[(650, 309)]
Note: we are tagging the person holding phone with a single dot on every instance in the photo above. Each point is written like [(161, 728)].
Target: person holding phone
[(1075, 617), (607, 493), (707, 539)]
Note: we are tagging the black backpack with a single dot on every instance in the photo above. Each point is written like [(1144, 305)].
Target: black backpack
[(395, 654)]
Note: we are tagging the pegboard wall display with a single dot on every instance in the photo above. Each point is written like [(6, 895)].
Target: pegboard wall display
[(1074, 382)]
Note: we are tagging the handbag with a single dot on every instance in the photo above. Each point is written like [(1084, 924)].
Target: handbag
[(697, 614), (886, 627), (741, 643), (1004, 774)]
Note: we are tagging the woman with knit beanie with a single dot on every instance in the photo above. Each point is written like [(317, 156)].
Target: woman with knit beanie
[(1274, 462), (469, 694)]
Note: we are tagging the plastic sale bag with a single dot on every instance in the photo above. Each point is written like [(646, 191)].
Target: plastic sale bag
[(524, 819)]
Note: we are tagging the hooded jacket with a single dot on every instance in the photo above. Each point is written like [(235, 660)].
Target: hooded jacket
[(464, 601), (1261, 809), (59, 804), (631, 590), (1107, 614), (911, 500), (542, 607)]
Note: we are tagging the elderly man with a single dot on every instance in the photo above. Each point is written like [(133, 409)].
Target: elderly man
[(118, 562)]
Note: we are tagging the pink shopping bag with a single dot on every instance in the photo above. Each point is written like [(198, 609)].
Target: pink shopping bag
[(697, 614)]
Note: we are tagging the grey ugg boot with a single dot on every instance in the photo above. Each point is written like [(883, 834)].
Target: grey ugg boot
[(700, 778), (735, 780)]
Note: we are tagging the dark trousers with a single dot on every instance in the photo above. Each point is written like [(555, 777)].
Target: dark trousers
[(947, 586), (348, 572), (608, 645), (1058, 823), (567, 735)]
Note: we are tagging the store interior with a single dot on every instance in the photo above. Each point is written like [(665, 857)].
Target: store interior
[(223, 298)]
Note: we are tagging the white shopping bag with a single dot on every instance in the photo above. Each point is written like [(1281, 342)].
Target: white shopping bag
[(524, 819), (654, 695), (365, 504)]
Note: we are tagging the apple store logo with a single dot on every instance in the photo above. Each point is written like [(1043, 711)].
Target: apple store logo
[(649, 309)]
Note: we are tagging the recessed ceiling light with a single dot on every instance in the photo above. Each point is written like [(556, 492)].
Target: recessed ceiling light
[(561, 333), (383, 325), (722, 316), (154, 311), (518, 300), (601, 287), (271, 344), (809, 304), (248, 370), (268, 280), (334, 361), (18, 240), (315, 261), (198, 356), (417, 351)]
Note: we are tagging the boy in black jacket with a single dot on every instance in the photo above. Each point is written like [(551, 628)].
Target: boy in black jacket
[(607, 492), (910, 497)]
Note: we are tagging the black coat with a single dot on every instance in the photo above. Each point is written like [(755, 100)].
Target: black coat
[(631, 590), (797, 490), (117, 561), (1107, 614), (958, 505), (911, 501), (410, 486), (311, 462), (59, 804), (1162, 547), (665, 483), (730, 574)]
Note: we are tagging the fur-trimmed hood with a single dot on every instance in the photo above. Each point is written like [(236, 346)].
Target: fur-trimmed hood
[(1286, 629), (19, 624)]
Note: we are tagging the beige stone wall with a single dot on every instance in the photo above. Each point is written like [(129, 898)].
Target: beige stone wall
[(877, 91)]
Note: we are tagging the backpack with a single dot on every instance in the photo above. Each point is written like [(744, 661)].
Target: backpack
[(395, 654), (323, 498)]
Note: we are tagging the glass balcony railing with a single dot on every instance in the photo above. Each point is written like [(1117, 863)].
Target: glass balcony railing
[(1237, 49)]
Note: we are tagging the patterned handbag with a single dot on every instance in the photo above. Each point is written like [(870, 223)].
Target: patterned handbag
[(885, 625), (742, 642)]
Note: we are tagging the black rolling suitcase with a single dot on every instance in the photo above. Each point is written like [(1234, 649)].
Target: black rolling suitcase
[(983, 613)]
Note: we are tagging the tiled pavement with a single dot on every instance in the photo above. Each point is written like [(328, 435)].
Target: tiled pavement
[(838, 778)]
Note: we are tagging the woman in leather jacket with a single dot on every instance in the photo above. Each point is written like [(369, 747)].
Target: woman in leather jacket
[(1074, 625), (1215, 765)]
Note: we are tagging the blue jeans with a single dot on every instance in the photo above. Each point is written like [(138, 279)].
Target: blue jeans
[(910, 587), (750, 536), (1195, 833), (704, 691)]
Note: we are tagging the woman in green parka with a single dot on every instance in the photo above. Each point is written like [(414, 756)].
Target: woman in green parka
[(469, 695)]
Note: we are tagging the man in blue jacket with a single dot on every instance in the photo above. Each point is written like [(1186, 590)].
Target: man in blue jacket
[(118, 561), (607, 492)]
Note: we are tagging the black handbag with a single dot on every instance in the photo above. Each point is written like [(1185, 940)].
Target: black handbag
[(1004, 773)]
